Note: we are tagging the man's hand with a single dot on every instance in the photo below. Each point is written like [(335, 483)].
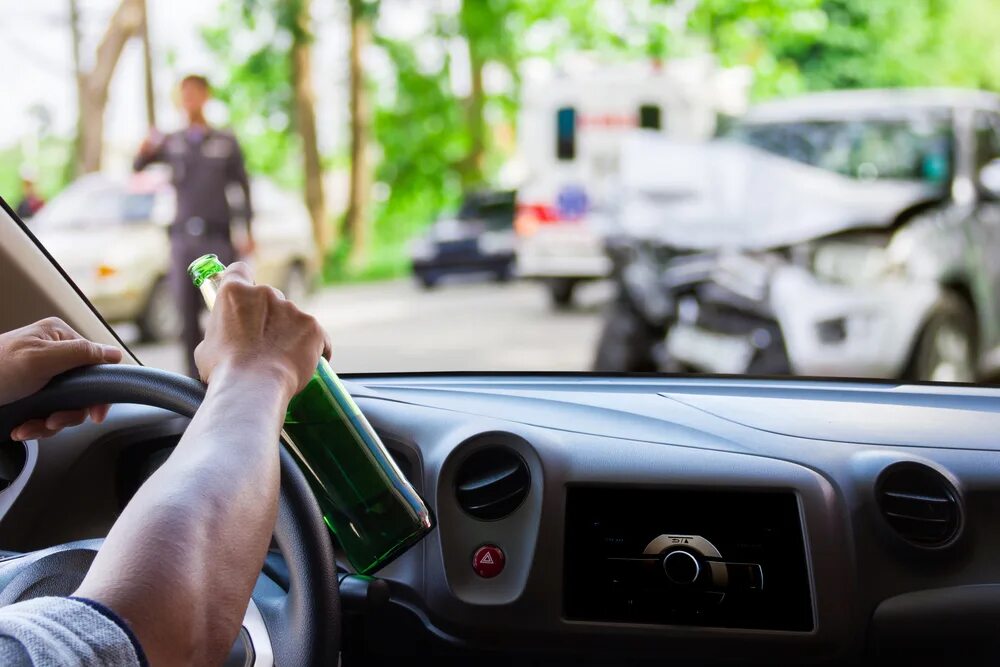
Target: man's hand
[(151, 143), (254, 329), (33, 355), (246, 247), (181, 562)]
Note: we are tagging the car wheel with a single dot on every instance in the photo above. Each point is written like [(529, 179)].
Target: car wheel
[(504, 274), (561, 292), (296, 285), (627, 341), (160, 319), (946, 348), (427, 282)]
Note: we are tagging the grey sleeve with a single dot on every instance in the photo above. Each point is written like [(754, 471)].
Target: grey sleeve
[(238, 174), (142, 161), (53, 631)]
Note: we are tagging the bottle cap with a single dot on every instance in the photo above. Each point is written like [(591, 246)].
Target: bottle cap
[(204, 268)]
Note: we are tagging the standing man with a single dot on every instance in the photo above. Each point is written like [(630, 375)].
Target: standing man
[(204, 161)]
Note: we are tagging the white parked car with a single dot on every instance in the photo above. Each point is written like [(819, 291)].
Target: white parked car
[(110, 235)]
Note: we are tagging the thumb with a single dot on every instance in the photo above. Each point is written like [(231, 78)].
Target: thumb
[(63, 355)]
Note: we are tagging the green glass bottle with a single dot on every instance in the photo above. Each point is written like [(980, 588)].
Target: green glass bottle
[(367, 503)]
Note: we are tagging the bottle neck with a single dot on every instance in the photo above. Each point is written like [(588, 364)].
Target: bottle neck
[(210, 288)]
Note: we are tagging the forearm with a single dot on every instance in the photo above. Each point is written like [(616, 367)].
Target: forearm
[(209, 509)]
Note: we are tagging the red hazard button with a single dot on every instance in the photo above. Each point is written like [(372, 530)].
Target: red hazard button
[(488, 561)]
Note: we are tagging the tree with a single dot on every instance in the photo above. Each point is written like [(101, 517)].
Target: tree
[(92, 85), (269, 85), (304, 97), (147, 67), (356, 220)]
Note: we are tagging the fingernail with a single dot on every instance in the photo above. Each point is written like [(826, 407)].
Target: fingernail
[(16, 434), (111, 353)]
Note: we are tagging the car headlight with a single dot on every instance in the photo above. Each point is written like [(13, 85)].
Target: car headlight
[(851, 263), (421, 249), (494, 243)]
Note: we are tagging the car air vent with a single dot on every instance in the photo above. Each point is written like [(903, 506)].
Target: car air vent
[(13, 456), (920, 504), (492, 483)]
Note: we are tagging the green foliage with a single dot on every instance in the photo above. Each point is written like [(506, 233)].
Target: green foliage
[(423, 130), (425, 133), (53, 154), (257, 87)]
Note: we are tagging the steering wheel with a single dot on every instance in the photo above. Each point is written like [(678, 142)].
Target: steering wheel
[(300, 626)]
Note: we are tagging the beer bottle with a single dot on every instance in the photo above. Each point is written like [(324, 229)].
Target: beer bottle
[(367, 503)]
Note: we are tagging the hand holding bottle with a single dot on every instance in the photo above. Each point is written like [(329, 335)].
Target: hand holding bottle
[(253, 327)]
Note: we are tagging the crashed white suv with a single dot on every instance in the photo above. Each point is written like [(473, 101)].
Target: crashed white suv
[(851, 233)]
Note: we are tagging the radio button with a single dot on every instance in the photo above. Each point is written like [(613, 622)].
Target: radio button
[(681, 567)]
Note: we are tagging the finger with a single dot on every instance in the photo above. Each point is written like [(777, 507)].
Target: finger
[(65, 419), (58, 329), (98, 413), (327, 345), (278, 293), (238, 272), (31, 430), (62, 355)]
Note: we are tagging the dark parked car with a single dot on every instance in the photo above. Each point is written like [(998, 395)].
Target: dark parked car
[(479, 239), (851, 233)]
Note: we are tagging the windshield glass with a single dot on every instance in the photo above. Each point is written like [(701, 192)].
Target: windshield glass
[(779, 188), (912, 150)]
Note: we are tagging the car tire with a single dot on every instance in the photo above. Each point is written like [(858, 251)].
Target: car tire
[(945, 350), (160, 319), (561, 292), (504, 274), (427, 282), (627, 341), (296, 285)]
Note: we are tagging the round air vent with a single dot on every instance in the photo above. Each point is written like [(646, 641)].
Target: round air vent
[(919, 503), (492, 483)]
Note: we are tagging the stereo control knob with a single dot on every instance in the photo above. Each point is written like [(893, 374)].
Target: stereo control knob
[(681, 567)]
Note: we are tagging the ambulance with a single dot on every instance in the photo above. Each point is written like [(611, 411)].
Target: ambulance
[(573, 123)]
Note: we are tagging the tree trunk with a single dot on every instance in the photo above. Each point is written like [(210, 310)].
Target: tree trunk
[(474, 163), (305, 120), (472, 166), (125, 22), (147, 67), (75, 163), (356, 220)]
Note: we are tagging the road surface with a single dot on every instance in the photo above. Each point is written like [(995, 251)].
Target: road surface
[(396, 326)]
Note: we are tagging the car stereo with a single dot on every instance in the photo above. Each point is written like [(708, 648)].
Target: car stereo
[(678, 557)]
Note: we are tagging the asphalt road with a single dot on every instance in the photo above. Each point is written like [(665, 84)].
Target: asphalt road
[(396, 326)]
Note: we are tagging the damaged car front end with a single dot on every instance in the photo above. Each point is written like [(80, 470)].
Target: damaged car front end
[(737, 260)]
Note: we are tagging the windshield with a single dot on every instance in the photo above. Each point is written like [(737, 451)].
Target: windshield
[(913, 150), (95, 201), (777, 188)]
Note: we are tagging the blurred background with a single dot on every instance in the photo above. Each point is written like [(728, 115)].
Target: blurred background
[(803, 187)]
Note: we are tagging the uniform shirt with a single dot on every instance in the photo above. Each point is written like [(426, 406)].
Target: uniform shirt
[(204, 161), (66, 632)]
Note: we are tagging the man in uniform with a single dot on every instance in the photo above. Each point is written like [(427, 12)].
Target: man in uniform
[(204, 161)]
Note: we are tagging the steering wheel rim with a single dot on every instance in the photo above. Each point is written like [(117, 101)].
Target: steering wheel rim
[(303, 626)]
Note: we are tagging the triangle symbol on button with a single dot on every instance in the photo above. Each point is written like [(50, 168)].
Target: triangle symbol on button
[(487, 559)]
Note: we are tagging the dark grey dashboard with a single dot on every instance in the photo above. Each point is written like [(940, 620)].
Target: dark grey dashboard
[(808, 521)]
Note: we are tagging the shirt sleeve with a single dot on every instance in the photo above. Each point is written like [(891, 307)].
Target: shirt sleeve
[(238, 174), (158, 154), (55, 631)]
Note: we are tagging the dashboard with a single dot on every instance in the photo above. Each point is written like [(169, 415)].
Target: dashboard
[(711, 519)]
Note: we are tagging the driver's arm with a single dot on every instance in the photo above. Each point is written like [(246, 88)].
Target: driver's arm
[(181, 561)]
